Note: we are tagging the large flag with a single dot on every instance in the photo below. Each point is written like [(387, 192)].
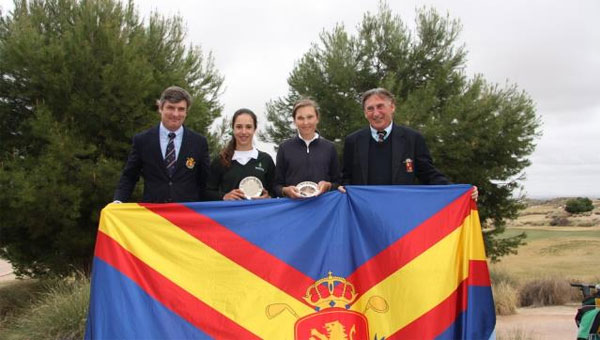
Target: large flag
[(388, 262)]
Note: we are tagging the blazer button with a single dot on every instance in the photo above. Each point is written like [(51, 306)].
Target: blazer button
[(170, 183)]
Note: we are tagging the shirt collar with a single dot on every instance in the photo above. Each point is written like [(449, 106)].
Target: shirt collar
[(388, 131), (316, 136), (243, 157), (246, 154), (164, 132)]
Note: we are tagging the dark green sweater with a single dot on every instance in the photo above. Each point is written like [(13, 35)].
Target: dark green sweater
[(222, 180)]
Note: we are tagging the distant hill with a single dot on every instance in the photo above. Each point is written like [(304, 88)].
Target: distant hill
[(551, 212)]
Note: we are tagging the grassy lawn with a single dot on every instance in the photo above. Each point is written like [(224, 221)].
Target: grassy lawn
[(568, 253), (534, 234)]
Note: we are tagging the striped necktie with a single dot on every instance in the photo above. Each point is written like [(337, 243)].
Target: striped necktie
[(170, 155), (381, 135)]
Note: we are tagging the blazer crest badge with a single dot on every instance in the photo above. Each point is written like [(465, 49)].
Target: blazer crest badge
[(409, 165), (190, 163)]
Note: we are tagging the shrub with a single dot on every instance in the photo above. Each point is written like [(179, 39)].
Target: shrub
[(559, 221), (587, 223), (498, 276), (17, 295), (505, 298), (545, 292), (58, 313), (505, 293), (579, 205)]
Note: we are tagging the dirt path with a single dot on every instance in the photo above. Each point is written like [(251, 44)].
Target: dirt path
[(6, 271), (548, 323)]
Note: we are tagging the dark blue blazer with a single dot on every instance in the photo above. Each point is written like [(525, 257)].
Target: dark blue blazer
[(145, 159), (407, 144)]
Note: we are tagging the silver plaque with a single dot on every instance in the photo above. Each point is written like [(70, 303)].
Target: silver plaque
[(251, 186), (308, 188)]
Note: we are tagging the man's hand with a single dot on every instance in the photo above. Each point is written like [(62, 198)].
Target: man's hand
[(475, 193), (342, 189)]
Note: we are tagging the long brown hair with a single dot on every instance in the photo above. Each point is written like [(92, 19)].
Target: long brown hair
[(227, 152)]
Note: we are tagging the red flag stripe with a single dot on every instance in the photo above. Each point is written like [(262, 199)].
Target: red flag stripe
[(412, 244), (244, 253), (170, 295), (479, 274), (438, 319)]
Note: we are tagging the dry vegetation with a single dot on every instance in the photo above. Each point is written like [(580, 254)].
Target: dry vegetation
[(561, 248), (52, 309), (552, 213)]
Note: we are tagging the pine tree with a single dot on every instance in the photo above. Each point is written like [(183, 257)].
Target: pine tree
[(477, 132), (78, 78)]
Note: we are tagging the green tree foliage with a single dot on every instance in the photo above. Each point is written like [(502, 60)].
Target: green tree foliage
[(579, 205), (477, 132), (78, 79)]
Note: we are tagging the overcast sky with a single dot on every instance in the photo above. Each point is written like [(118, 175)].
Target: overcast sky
[(550, 49)]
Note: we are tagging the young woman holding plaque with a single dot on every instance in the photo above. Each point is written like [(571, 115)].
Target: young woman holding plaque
[(235, 173), (307, 157)]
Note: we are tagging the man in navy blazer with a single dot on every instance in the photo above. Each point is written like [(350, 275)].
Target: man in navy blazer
[(385, 153), (184, 178)]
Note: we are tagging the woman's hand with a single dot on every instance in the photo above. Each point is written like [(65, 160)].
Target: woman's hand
[(263, 195), (235, 194), (291, 192), (324, 186)]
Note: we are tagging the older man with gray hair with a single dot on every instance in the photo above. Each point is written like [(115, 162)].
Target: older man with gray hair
[(385, 153)]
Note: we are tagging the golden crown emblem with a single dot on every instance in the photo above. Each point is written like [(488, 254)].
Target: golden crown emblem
[(331, 291)]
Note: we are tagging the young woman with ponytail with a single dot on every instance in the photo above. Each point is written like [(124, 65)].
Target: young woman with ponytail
[(238, 160)]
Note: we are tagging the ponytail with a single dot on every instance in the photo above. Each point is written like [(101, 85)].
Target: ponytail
[(227, 153)]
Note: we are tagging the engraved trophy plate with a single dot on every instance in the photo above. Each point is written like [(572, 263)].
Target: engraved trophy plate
[(251, 186), (308, 188)]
